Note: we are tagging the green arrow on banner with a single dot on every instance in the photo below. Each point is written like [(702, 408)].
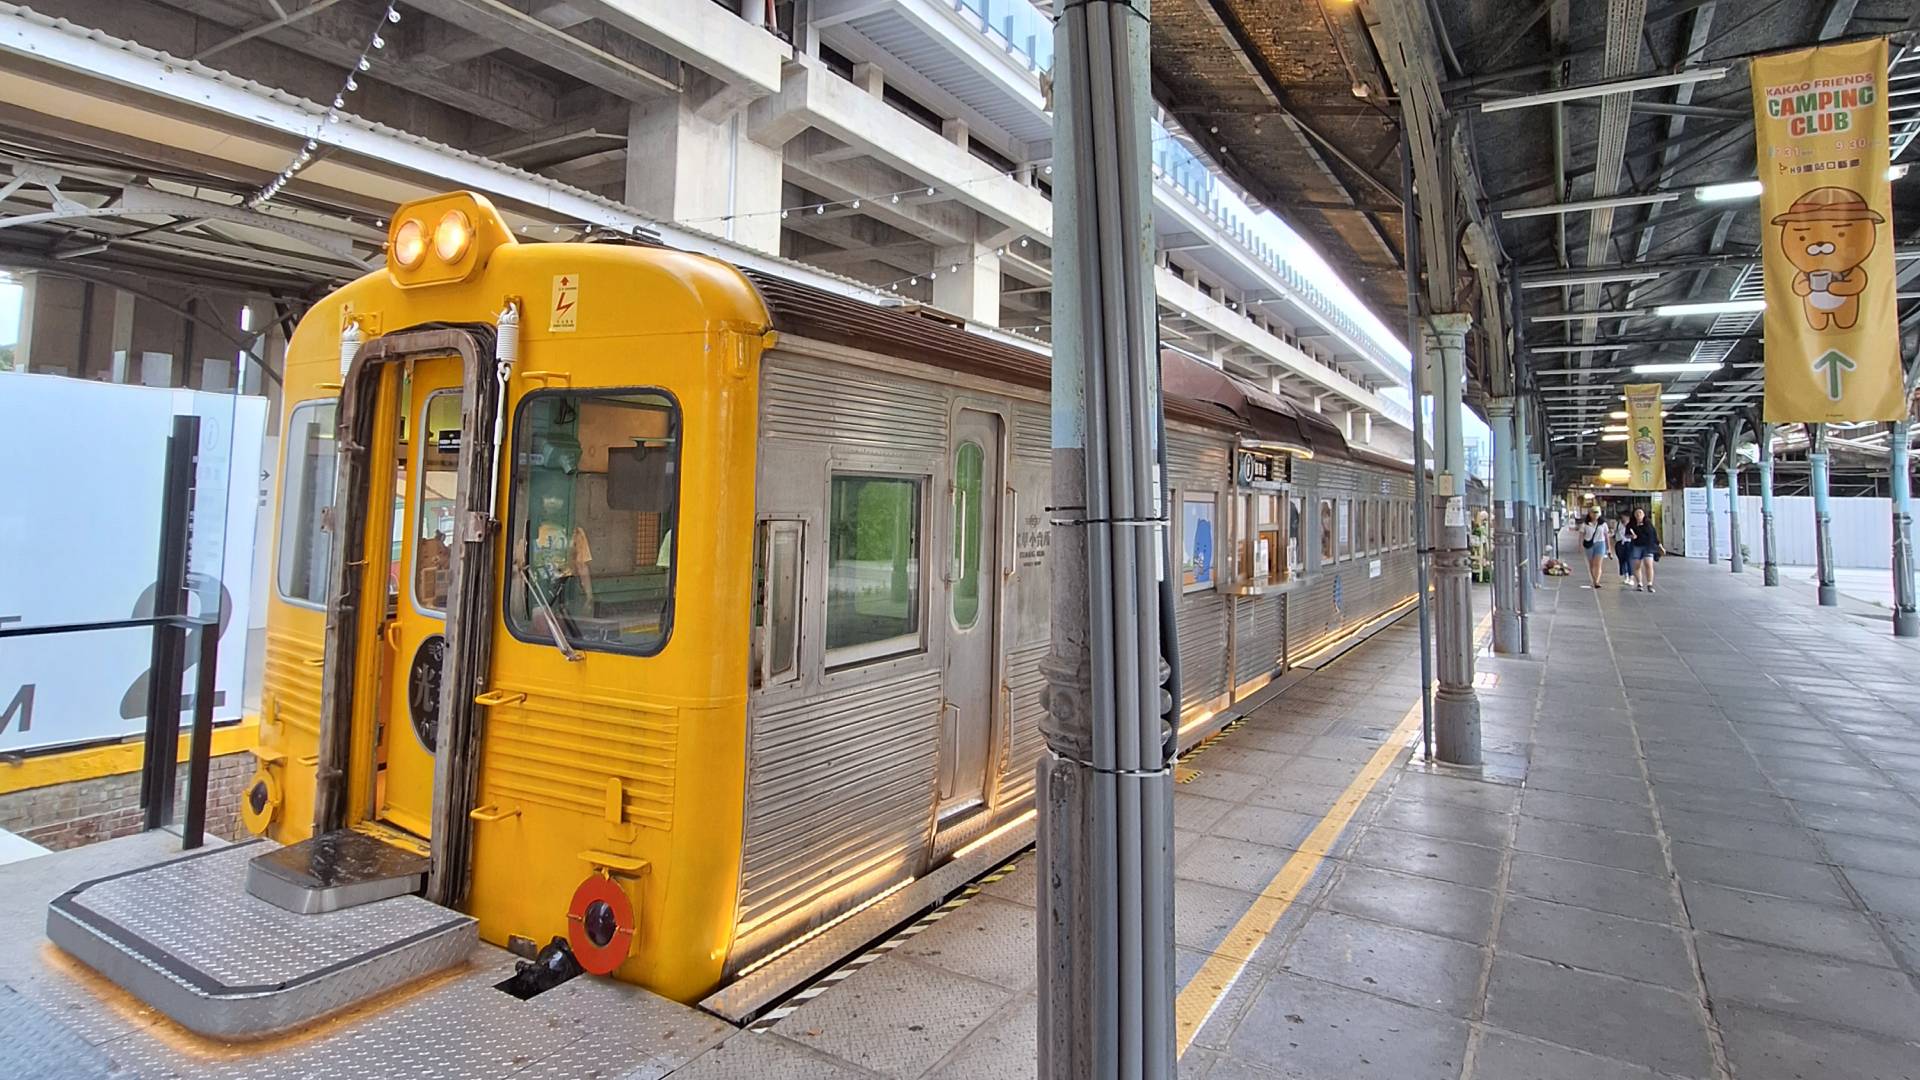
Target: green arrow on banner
[(1836, 364)]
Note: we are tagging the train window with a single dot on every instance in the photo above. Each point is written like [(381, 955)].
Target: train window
[(306, 539), (1375, 511), (1328, 552), (596, 500), (776, 602), (1296, 540), (967, 467), (433, 525), (873, 568), (1197, 542), (1343, 522)]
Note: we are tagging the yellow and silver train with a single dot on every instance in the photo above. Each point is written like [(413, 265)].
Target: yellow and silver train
[(691, 613)]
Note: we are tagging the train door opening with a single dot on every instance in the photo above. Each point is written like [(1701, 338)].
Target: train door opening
[(414, 634), (973, 595)]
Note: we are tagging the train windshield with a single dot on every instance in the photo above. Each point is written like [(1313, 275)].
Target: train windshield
[(596, 499)]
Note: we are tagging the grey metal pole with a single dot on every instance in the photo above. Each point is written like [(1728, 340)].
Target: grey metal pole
[(1416, 392), (1735, 560), (1456, 706), (1507, 639), (1822, 520), (1906, 618), (1526, 528), (1105, 945), (1769, 554), (1713, 545)]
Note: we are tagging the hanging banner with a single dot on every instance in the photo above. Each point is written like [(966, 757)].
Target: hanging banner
[(1646, 445), (1832, 350)]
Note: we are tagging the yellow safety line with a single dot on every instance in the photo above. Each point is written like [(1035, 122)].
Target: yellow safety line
[(1223, 967)]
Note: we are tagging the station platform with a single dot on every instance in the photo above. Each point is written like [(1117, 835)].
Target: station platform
[(1693, 852)]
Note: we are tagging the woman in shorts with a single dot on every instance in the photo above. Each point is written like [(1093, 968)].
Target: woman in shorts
[(1593, 537)]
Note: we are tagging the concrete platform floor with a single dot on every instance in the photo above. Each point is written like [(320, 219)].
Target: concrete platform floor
[(1694, 852)]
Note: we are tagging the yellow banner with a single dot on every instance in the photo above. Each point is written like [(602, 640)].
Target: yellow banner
[(1646, 446), (1832, 348)]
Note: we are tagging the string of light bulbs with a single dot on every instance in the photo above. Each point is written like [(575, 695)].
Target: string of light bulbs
[(375, 42), (953, 267)]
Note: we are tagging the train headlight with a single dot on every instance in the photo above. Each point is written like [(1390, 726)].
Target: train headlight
[(452, 236), (409, 243), (443, 239)]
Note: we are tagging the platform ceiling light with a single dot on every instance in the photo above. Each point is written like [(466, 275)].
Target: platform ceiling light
[(1584, 205), (1618, 475), (1713, 307), (1619, 86), (1681, 367), (1613, 429), (1617, 414), (1750, 189), (1582, 316), (1598, 278), (1618, 436), (1577, 348)]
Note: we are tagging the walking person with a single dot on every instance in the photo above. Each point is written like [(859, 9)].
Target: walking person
[(1593, 537), (1623, 547), (1647, 549)]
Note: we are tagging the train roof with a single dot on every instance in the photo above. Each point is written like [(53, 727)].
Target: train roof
[(1195, 392)]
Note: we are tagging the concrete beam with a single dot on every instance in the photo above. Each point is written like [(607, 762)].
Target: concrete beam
[(593, 53), (816, 160), (485, 86), (704, 35), (813, 97)]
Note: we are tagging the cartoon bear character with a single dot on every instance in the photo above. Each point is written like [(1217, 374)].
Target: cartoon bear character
[(1827, 234)]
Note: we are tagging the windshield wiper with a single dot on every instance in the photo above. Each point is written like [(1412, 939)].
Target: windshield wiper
[(553, 617)]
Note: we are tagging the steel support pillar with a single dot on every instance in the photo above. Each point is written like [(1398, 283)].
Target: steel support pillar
[(1906, 619), (1713, 534), (1735, 560), (1507, 637), (1822, 519), (1105, 830), (1456, 707), (1526, 530), (1769, 553)]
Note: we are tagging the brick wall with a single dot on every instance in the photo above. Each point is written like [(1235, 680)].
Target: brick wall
[(84, 811)]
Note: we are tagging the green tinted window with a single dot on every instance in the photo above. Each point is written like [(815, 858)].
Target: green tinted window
[(873, 568), (966, 534)]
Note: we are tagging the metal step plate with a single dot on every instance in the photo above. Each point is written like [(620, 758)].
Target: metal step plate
[(334, 870), (186, 938)]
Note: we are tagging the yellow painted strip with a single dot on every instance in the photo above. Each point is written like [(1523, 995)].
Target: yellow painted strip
[(1223, 967), (93, 762)]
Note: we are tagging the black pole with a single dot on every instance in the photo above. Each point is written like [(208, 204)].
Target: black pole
[(1423, 544), (164, 666), (200, 747)]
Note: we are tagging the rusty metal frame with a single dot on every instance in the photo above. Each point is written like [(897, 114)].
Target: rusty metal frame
[(469, 599)]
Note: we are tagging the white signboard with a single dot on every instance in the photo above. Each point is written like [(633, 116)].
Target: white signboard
[(80, 533)]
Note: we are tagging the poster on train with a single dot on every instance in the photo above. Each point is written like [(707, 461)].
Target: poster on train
[(1646, 445), (1820, 121), (81, 528)]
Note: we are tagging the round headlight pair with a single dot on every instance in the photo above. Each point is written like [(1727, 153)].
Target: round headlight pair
[(451, 238)]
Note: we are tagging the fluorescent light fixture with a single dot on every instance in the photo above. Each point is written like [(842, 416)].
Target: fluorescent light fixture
[(1716, 307), (1674, 397), (1618, 437), (1578, 348), (1617, 414), (1738, 189), (1616, 475), (1620, 86), (1578, 371), (1583, 316), (1599, 278), (1589, 204), (1750, 189), (1615, 429), (1683, 367)]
